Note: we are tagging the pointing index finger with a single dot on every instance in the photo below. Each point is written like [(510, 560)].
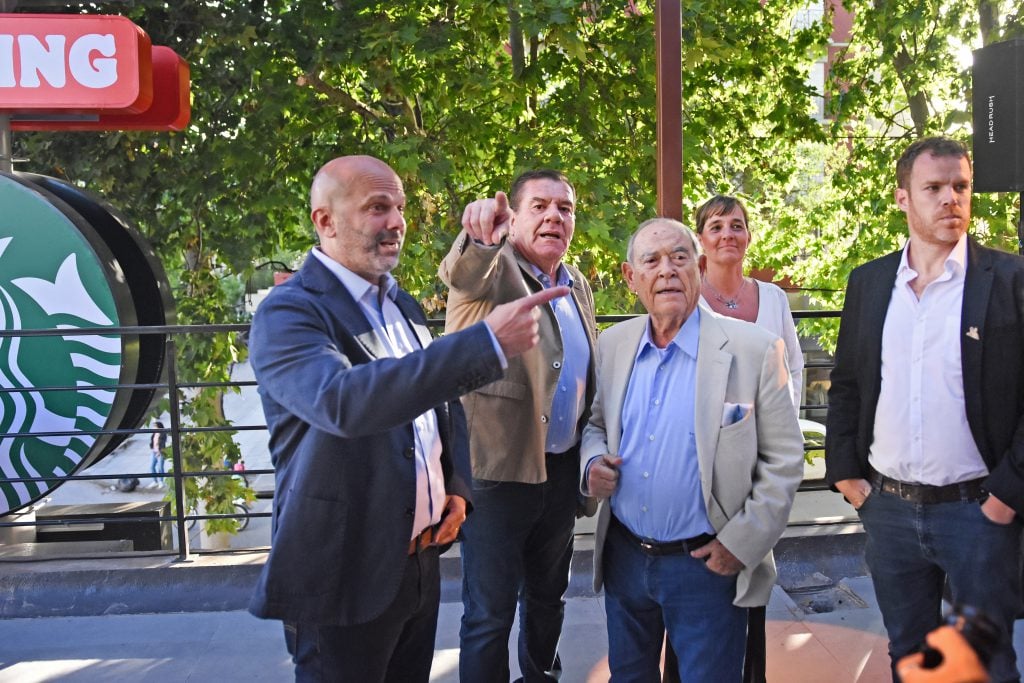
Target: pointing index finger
[(502, 216), (501, 202), (544, 296)]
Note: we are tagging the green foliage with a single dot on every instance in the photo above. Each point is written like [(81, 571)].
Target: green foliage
[(905, 74), (208, 358), (458, 96), (461, 95)]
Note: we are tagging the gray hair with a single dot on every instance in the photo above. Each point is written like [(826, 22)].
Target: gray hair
[(670, 222)]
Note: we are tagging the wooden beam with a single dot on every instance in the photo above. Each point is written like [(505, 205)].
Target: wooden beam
[(668, 50)]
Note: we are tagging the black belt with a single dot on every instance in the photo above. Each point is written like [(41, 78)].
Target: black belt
[(964, 491), (651, 547)]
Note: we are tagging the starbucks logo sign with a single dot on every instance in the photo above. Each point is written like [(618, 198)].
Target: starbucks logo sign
[(58, 272)]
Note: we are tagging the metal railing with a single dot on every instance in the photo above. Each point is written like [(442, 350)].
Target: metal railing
[(185, 515)]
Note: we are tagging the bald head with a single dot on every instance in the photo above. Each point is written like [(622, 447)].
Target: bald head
[(357, 205), (337, 174)]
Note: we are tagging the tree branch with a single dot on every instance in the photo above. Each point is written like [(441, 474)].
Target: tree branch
[(340, 97), (903, 64), (988, 22), (515, 40)]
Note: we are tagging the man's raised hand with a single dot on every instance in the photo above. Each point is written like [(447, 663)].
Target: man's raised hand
[(515, 324), (488, 220)]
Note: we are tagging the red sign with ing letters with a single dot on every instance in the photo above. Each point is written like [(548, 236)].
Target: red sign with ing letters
[(52, 62)]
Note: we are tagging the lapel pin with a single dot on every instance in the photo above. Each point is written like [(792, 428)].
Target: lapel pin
[(972, 332)]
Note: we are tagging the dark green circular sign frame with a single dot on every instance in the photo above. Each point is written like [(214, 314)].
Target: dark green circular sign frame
[(67, 261)]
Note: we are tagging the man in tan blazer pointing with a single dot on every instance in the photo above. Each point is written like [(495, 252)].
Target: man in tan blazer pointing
[(695, 451), (524, 429)]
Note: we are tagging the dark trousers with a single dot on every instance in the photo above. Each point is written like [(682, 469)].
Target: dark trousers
[(912, 548), (516, 550), (396, 647)]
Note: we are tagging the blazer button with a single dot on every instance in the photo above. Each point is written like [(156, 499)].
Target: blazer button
[(409, 512), (544, 419), (557, 364), (409, 453)]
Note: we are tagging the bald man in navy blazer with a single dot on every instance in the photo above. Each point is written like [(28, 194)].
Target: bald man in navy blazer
[(368, 440)]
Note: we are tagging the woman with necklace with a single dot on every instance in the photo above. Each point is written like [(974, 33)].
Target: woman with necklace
[(724, 233)]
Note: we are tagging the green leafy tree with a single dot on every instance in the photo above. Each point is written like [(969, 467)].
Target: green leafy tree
[(905, 74), (458, 96)]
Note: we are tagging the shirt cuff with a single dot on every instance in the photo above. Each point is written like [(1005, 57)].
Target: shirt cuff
[(497, 347), (585, 481)]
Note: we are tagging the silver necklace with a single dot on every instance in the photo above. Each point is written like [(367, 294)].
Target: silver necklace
[(731, 304)]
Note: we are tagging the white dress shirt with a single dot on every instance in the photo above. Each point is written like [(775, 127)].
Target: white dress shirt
[(774, 315), (921, 432), (398, 338)]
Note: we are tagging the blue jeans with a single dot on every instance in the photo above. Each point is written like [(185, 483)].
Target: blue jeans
[(912, 548), (647, 595), (156, 465), (516, 549)]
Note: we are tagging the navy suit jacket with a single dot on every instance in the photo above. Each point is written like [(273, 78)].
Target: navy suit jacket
[(339, 413), (992, 359)]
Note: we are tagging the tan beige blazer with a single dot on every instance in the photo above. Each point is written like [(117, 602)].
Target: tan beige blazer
[(508, 419), (749, 470)]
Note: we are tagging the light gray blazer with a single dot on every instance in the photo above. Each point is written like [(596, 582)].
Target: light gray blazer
[(749, 470)]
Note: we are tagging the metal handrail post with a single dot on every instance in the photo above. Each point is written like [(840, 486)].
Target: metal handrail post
[(179, 469)]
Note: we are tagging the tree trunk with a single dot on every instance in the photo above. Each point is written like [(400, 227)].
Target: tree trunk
[(988, 22)]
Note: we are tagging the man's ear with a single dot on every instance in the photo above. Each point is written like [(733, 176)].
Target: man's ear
[(627, 274), (321, 218), (902, 196)]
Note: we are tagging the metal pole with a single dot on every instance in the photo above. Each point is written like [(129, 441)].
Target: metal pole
[(668, 45), (179, 481), (1020, 224), (6, 145), (668, 35)]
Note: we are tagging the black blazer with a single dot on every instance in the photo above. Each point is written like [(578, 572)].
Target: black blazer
[(340, 414), (992, 356)]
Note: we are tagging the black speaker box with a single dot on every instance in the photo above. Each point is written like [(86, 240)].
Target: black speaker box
[(999, 117)]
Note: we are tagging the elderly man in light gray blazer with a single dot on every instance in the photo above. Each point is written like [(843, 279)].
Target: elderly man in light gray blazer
[(696, 453)]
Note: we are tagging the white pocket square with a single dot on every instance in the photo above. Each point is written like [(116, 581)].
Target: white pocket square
[(734, 412)]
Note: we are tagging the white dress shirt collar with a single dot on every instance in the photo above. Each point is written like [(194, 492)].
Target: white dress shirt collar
[(356, 285), (955, 264)]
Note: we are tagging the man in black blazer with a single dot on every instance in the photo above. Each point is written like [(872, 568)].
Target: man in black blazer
[(367, 438), (926, 410)]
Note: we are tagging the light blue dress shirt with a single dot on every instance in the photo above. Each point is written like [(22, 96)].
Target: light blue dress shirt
[(659, 494), (567, 404)]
